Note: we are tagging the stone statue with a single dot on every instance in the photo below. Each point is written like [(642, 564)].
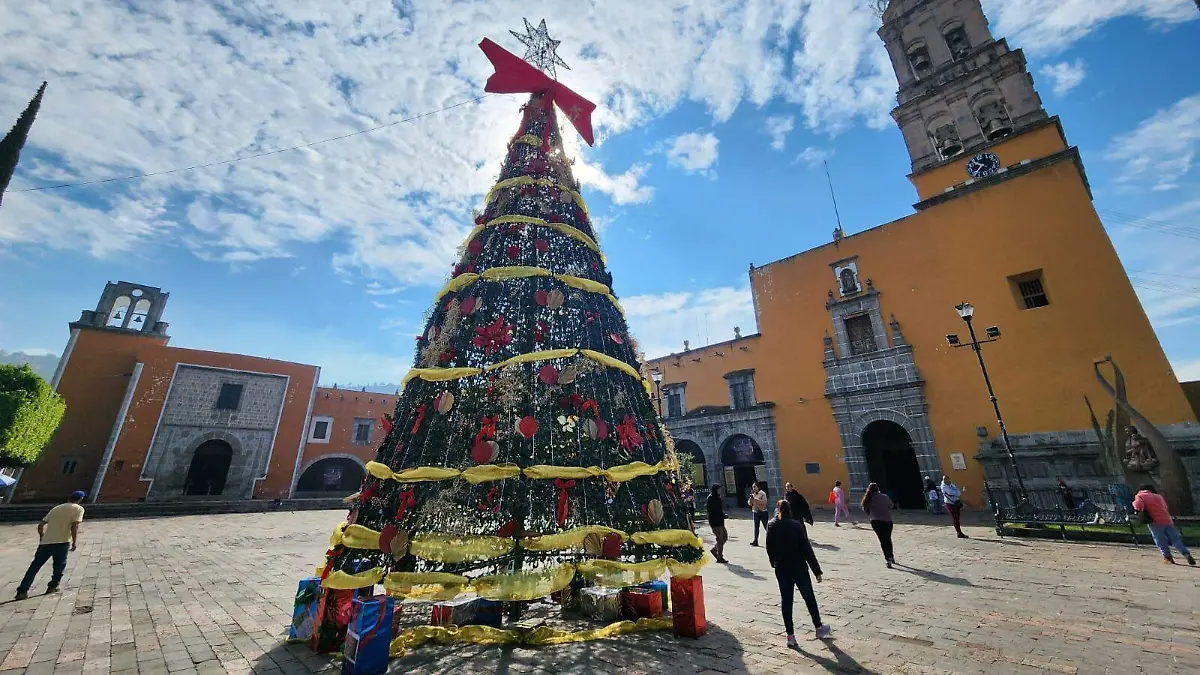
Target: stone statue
[(1146, 443), (849, 281)]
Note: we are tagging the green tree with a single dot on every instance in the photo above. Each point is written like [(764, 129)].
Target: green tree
[(11, 144), (30, 412)]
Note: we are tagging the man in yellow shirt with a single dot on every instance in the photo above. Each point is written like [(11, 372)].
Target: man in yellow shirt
[(57, 531)]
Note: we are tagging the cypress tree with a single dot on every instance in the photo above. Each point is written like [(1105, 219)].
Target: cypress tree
[(10, 147)]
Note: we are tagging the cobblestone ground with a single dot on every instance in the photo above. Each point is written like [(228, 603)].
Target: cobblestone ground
[(212, 594)]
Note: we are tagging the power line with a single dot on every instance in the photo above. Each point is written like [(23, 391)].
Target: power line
[(234, 160), (1160, 226)]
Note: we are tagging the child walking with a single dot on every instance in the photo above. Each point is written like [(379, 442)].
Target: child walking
[(838, 498)]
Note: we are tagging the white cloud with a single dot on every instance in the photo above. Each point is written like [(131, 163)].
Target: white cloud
[(661, 322), (1064, 76), (1050, 26), (623, 188), (1187, 371), (778, 127), (1160, 151), (693, 152), (814, 156)]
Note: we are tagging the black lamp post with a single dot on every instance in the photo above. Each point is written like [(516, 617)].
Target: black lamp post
[(967, 312), (657, 376)]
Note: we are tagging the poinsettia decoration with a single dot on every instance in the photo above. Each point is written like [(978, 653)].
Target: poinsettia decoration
[(494, 336), (540, 330), (627, 434)]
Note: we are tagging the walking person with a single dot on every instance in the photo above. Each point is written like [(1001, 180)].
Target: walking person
[(758, 507), (57, 534), (878, 507), (1162, 525), (716, 521), (838, 498), (932, 495), (800, 508), (952, 496), (792, 556)]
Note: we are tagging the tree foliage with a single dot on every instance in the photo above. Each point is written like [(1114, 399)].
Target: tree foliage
[(30, 412)]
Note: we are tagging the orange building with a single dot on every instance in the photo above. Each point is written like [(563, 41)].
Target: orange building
[(146, 421), (852, 376), (342, 436)]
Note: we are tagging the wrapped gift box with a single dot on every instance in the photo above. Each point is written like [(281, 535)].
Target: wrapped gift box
[(368, 640), (334, 609), (601, 604), (488, 613), (661, 587), (304, 614), (456, 612), (569, 596), (687, 606), (641, 603)]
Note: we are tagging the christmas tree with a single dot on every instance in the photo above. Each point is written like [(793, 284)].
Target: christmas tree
[(14, 140), (525, 450)]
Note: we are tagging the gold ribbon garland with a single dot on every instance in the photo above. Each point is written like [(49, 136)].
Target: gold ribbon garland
[(493, 472), (522, 181), (518, 271), (540, 636)]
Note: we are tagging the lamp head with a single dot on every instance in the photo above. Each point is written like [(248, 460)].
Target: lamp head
[(657, 376), (993, 332), (965, 311), (952, 340)]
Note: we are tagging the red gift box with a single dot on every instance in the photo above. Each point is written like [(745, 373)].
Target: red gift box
[(641, 603), (334, 611), (687, 606)]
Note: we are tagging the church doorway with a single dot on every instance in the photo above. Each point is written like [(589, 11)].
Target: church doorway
[(892, 463), (210, 468), (744, 466), (699, 474), (334, 476)]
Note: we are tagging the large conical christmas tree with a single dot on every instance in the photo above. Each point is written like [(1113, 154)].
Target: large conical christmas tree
[(14, 140), (525, 450)]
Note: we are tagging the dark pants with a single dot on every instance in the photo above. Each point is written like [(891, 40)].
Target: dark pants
[(956, 516), (45, 552), (789, 580), (760, 517), (883, 530)]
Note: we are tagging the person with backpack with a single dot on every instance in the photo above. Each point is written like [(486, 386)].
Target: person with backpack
[(791, 554), (1152, 509)]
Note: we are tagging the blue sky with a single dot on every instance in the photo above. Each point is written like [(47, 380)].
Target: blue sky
[(714, 118)]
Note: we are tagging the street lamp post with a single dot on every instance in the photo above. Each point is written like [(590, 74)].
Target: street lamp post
[(657, 376), (967, 312)]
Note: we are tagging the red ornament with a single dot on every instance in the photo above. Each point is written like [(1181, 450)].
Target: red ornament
[(612, 547), (508, 529), (475, 247), (458, 270), (516, 228), (513, 252), (468, 305), (541, 245), (542, 298), (493, 337), (616, 338), (368, 492), (539, 331), (484, 451), (589, 405), (563, 502), (627, 434), (528, 426), (479, 219), (548, 374), (601, 429), (595, 265), (386, 535)]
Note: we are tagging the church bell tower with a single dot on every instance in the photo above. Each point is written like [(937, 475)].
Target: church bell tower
[(961, 90)]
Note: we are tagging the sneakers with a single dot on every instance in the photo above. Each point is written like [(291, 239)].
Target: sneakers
[(1191, 560), (837, 524), (1168, 560), (754, 543), (962, 536), (823, 632), (21, 595), (791, 641), (889, 564), (51, 590)]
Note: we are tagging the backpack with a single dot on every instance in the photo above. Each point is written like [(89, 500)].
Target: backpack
[(832, 497)]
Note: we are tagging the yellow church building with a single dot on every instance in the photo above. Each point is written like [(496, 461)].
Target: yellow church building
[(851, 376)]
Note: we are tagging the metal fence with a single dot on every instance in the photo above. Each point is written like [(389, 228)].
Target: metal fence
[(1078, 506)]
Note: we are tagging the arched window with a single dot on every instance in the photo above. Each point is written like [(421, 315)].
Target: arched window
[(993, 119), (141, 310), (956, 40), (918, 58), (945, 137), (116, 318)]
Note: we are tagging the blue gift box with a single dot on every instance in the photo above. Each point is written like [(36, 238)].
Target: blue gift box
[(661, 587), (304, 614), (368, 641), (488, 613)]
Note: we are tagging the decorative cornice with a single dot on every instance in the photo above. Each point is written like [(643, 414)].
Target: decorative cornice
[(1070, 154)]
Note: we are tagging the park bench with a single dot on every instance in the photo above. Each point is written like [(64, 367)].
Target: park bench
[(1105, 508)]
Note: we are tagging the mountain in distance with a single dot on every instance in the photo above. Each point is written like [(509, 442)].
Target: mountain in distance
[(42, 364)]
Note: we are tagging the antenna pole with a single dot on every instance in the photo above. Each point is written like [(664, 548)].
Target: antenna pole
[(832, 195)]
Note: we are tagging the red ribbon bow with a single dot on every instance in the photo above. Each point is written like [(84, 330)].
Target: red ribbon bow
[(515, 76), (563, 486), (421, 410), (407, 501)]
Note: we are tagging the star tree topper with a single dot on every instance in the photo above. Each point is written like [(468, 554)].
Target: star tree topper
[(539, 48)]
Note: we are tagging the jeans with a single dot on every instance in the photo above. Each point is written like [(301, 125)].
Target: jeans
[(45, 552), (789, 580), (1167, 535), (760, 517), (883, 530)]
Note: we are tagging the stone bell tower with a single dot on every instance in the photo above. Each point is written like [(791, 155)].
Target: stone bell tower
[(960, 89), (128, 307)]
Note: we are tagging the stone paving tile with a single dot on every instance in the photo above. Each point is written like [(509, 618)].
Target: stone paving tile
[(213, 594)]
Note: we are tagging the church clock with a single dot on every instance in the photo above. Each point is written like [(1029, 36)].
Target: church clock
[(983, 165)]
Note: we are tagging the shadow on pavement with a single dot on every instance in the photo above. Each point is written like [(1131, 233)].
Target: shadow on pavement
[(651, 651), (827, 547), (840, 663), (742, 571), (934, 576)]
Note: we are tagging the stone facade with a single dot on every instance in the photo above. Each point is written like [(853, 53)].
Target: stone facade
[(882, 384), (1074, 456), (710, 428), (190, 418)]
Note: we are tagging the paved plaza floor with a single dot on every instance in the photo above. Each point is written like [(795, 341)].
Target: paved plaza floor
[(213, 594)]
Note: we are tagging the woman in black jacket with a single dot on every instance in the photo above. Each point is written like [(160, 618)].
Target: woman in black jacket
[(792, 555), (800, 508)]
